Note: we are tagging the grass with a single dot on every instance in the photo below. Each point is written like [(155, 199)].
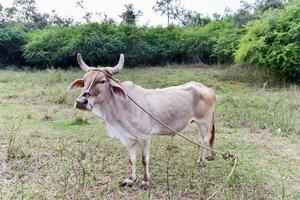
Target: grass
[(49, 150)]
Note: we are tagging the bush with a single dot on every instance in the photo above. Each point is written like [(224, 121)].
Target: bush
[(226, 42), (98, 43), (11, 41), (101, 44), (52, 47), (274, 43), (213, 43), (196, 45), (163, 45)]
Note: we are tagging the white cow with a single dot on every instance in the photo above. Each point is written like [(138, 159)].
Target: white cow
[(175, 106)]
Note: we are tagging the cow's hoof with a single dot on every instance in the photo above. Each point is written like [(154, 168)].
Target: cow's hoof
[(127, 182), (210, 157), (123, 184), (145, 185), (202, 163)]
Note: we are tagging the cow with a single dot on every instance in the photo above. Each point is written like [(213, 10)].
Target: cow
[(175, 106)]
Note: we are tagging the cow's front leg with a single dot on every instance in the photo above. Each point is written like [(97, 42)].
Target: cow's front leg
[(132, 159), (145, 145)]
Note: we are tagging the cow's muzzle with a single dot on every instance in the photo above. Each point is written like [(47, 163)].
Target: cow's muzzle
[(81, 103)]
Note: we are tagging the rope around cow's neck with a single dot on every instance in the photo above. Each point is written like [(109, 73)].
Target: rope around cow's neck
[(225, 155)]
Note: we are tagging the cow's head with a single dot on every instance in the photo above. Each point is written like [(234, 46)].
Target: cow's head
[(96, 84)]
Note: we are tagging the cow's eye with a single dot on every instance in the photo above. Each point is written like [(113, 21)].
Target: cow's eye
[(103, 81)]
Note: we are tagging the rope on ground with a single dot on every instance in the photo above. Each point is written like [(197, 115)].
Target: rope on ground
[(227, 179)]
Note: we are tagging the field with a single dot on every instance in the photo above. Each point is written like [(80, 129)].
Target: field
[(50, 150)]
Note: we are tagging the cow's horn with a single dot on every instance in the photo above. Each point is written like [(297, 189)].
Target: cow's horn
[(119, 66), (81, 63)]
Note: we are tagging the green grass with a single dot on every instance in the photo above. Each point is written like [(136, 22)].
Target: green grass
[(50, 150)]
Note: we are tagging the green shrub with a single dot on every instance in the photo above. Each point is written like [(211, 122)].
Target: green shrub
[(11, 41), (163, 45), (52, 46), (196, 45), (273, 42), (213, 43), (101, 44), (226, 42)]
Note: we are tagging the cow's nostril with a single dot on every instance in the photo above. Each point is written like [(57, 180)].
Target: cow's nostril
[(85, 101)]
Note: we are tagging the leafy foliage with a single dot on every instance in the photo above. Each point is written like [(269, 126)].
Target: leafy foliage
[(274, 42), (52, 46), (101, 44), (130, 16), (264, 34), (170, 8), (11, 42), (226, 43), (213, 43), (25, 13), (193, 18)]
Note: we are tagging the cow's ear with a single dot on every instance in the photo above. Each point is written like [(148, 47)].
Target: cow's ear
[(79, 83), (117, 89)]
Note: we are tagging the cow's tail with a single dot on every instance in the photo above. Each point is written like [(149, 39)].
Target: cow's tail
[(213, 130)]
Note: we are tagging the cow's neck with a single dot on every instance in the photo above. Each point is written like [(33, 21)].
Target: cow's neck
[(108, 110)]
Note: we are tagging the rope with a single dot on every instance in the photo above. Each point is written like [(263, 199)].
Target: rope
[(227, 179), (225, 155), (90, 86)]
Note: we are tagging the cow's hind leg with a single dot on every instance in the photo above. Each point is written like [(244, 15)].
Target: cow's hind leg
[(211, 143), (132, 148), (204, 128)]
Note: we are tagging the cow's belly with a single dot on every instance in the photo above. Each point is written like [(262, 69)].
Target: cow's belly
[(175, 109), (177, 125)]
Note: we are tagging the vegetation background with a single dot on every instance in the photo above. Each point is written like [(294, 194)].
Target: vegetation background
[(264, 35)]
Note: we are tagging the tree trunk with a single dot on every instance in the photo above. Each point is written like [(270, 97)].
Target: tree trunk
[(168, 13)]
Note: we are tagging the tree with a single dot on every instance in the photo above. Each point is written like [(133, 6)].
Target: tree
[(25, 13), (130, 16), (174, 10), (1, 14), (261, 6), (60, 21), (27, 10), (12, 40), (87, 15), (103, 18), (227, 12), (216, 16), (171, 8), (193, 18), (273, 42), (7, 15), (244, 14)]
